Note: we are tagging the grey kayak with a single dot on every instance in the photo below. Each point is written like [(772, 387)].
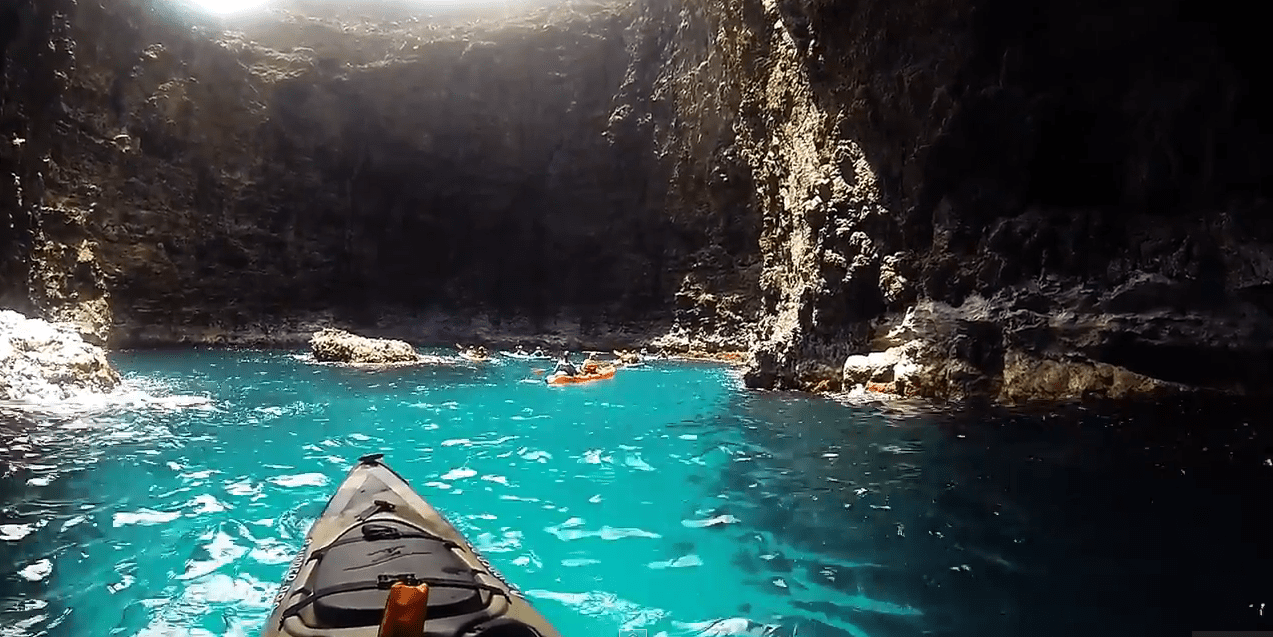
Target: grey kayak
[(375, 531)]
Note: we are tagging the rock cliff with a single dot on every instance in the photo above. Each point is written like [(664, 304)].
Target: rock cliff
[(1022, 201), (1054, 199)]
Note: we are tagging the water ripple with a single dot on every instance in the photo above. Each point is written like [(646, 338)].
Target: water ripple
[(670, 500)]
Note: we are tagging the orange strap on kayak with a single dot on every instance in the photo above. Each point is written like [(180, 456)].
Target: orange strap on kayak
[(405, 610)]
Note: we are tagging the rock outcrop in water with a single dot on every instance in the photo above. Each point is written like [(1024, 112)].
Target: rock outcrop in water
[(42, 362), (943, 198), (339, 346)]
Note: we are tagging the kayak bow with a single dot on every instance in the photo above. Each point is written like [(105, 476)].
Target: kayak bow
[(379, 545)]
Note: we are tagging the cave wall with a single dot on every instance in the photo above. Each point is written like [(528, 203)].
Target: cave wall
[(224, 181), (35, 47), (1020, 200), (940, 197)]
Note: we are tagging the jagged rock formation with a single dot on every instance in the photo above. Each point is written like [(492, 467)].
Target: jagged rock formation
[(1061, 228), (43, 362), (339, 346), (1058, 211)]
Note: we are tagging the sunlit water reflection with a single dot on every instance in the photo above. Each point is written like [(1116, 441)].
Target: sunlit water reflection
[(668, 499)]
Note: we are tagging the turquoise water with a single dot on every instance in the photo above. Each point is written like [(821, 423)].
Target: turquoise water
[(668, 499)]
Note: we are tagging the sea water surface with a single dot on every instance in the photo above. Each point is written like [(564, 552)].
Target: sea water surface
[(669, 500)]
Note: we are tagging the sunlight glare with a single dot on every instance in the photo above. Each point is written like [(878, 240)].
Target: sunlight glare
[(227, 7), (242, 7)]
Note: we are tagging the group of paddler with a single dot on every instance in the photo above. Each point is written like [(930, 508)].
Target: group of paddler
[(565, 371)]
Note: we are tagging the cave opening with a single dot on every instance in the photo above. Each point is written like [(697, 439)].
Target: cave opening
[(1076, 160), (1199, 365)]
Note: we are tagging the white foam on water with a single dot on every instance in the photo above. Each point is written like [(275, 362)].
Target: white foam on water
[(79, 519), (11, 605), (593, 456), (125, 581), (36, 571), (603, 604), (144, 517), (534, 455), (221, 550), (242, 487), (636, 462), (271, 551), (205, 503), (132, 394), (685, 561), (718, 520), (459, 473), (518, 498), (568, 531), (731, 627), (21, 627), (506, 542), (300, 480)]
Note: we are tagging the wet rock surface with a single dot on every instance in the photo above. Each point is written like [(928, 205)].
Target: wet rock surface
[(339, 346), (1048, 211), (42, 362)]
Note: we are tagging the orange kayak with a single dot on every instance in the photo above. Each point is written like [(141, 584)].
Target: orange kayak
[(602, 373)]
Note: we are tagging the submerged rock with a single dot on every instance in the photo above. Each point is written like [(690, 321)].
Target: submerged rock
[(47, 362), (339, 346)]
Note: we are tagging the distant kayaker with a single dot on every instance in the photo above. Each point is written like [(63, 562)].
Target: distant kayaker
[(564, 366)]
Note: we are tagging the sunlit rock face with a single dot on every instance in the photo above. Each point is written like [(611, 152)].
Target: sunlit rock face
[(1048, 209), (1056, 209), (44, 362)]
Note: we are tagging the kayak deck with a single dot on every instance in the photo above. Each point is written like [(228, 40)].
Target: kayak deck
[(376, 531)]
